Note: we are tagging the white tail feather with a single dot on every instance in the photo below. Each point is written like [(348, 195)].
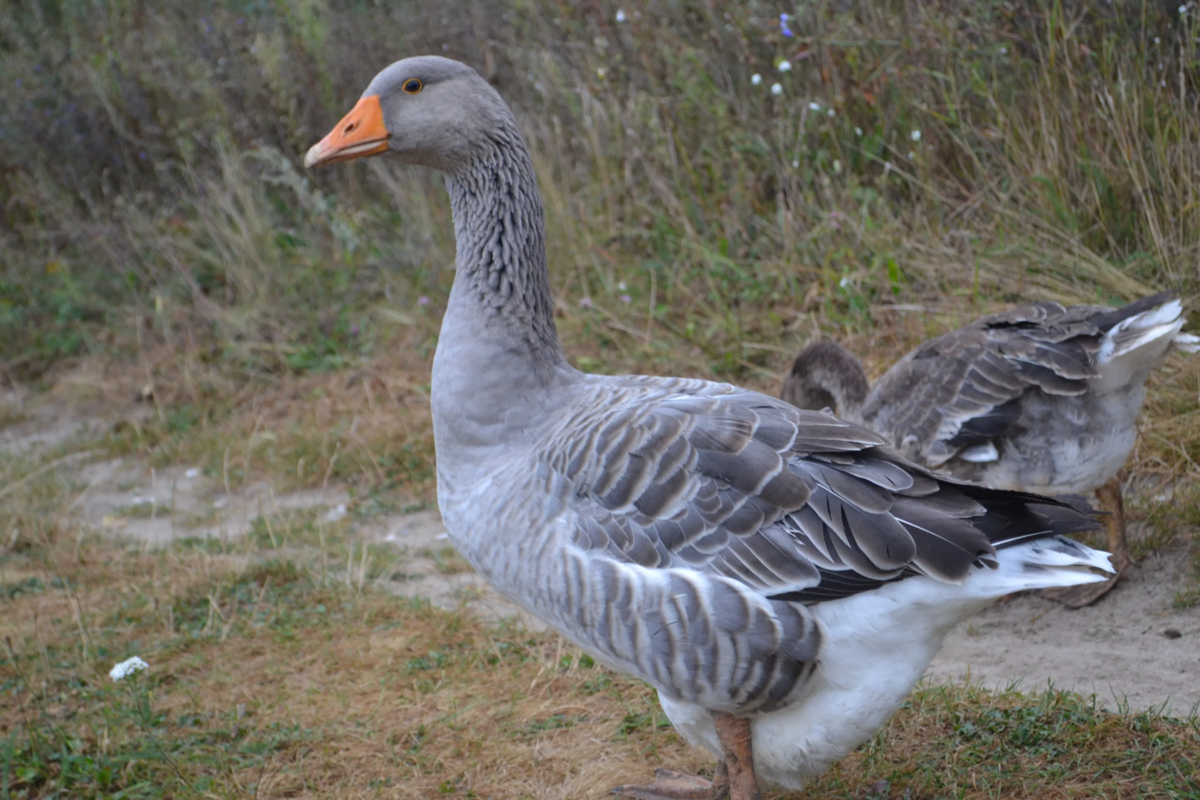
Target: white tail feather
[(1134, 346), (1142, 329), (1044, 564)]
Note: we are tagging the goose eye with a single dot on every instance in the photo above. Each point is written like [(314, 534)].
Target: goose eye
[(412, 86)]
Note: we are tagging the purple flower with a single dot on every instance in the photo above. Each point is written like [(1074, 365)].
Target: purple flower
[(585, 302), (422, 300), (354, 330), (626, 298), (783, 26)]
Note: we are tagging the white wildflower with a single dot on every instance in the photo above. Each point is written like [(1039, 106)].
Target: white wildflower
[(844, 282), (756, 79), (1156, 40), (191, 473), (336, 513), (620, 15), (601, 72), (776, 88), (796, 164), (911, 155), (837, 166), (621, 285), (814, 106), (785, 66), (1003, 51), (830, 112), (916, 136), (857, 131), (126, 668), (1183, 9)]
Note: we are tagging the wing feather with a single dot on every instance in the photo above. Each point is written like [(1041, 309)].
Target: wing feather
[(708, 518), (964, 389)]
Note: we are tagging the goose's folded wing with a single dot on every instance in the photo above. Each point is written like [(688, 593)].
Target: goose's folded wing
[(958, 394), (745, 486), (701, 518)]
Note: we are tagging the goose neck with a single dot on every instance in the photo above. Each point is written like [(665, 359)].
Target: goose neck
[(498, 344)]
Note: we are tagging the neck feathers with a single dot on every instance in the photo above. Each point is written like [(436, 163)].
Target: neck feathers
[(498, 356), (827, 375), (501, 260)]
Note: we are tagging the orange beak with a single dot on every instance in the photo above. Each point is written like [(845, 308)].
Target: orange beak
[(360, 133)]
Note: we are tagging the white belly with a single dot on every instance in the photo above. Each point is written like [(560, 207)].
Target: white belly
[(878, 645)]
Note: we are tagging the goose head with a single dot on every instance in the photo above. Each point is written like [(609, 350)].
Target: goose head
[(427, 111), (826, 375)]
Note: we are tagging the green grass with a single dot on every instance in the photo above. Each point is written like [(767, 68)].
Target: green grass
[(1051, 159)]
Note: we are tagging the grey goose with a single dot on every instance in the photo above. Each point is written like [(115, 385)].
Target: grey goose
[(780, 577), (1041, 398)]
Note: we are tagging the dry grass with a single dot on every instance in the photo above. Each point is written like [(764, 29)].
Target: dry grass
[(266, 682)]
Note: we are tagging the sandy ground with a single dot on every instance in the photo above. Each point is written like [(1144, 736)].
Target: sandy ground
[(1115, 648)]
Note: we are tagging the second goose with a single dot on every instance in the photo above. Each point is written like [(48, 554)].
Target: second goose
[(1042, 398)]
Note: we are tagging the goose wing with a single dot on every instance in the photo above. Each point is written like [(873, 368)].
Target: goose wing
[(961, 393), (703, 516)]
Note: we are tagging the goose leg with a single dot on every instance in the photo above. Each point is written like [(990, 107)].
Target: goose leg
[(1108, 497), (734, 733)]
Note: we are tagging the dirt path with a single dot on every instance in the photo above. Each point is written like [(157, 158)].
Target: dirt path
[(1115, 648)]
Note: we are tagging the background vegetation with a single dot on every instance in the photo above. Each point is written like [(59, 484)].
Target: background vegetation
[(920, 164), (984, 152)]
